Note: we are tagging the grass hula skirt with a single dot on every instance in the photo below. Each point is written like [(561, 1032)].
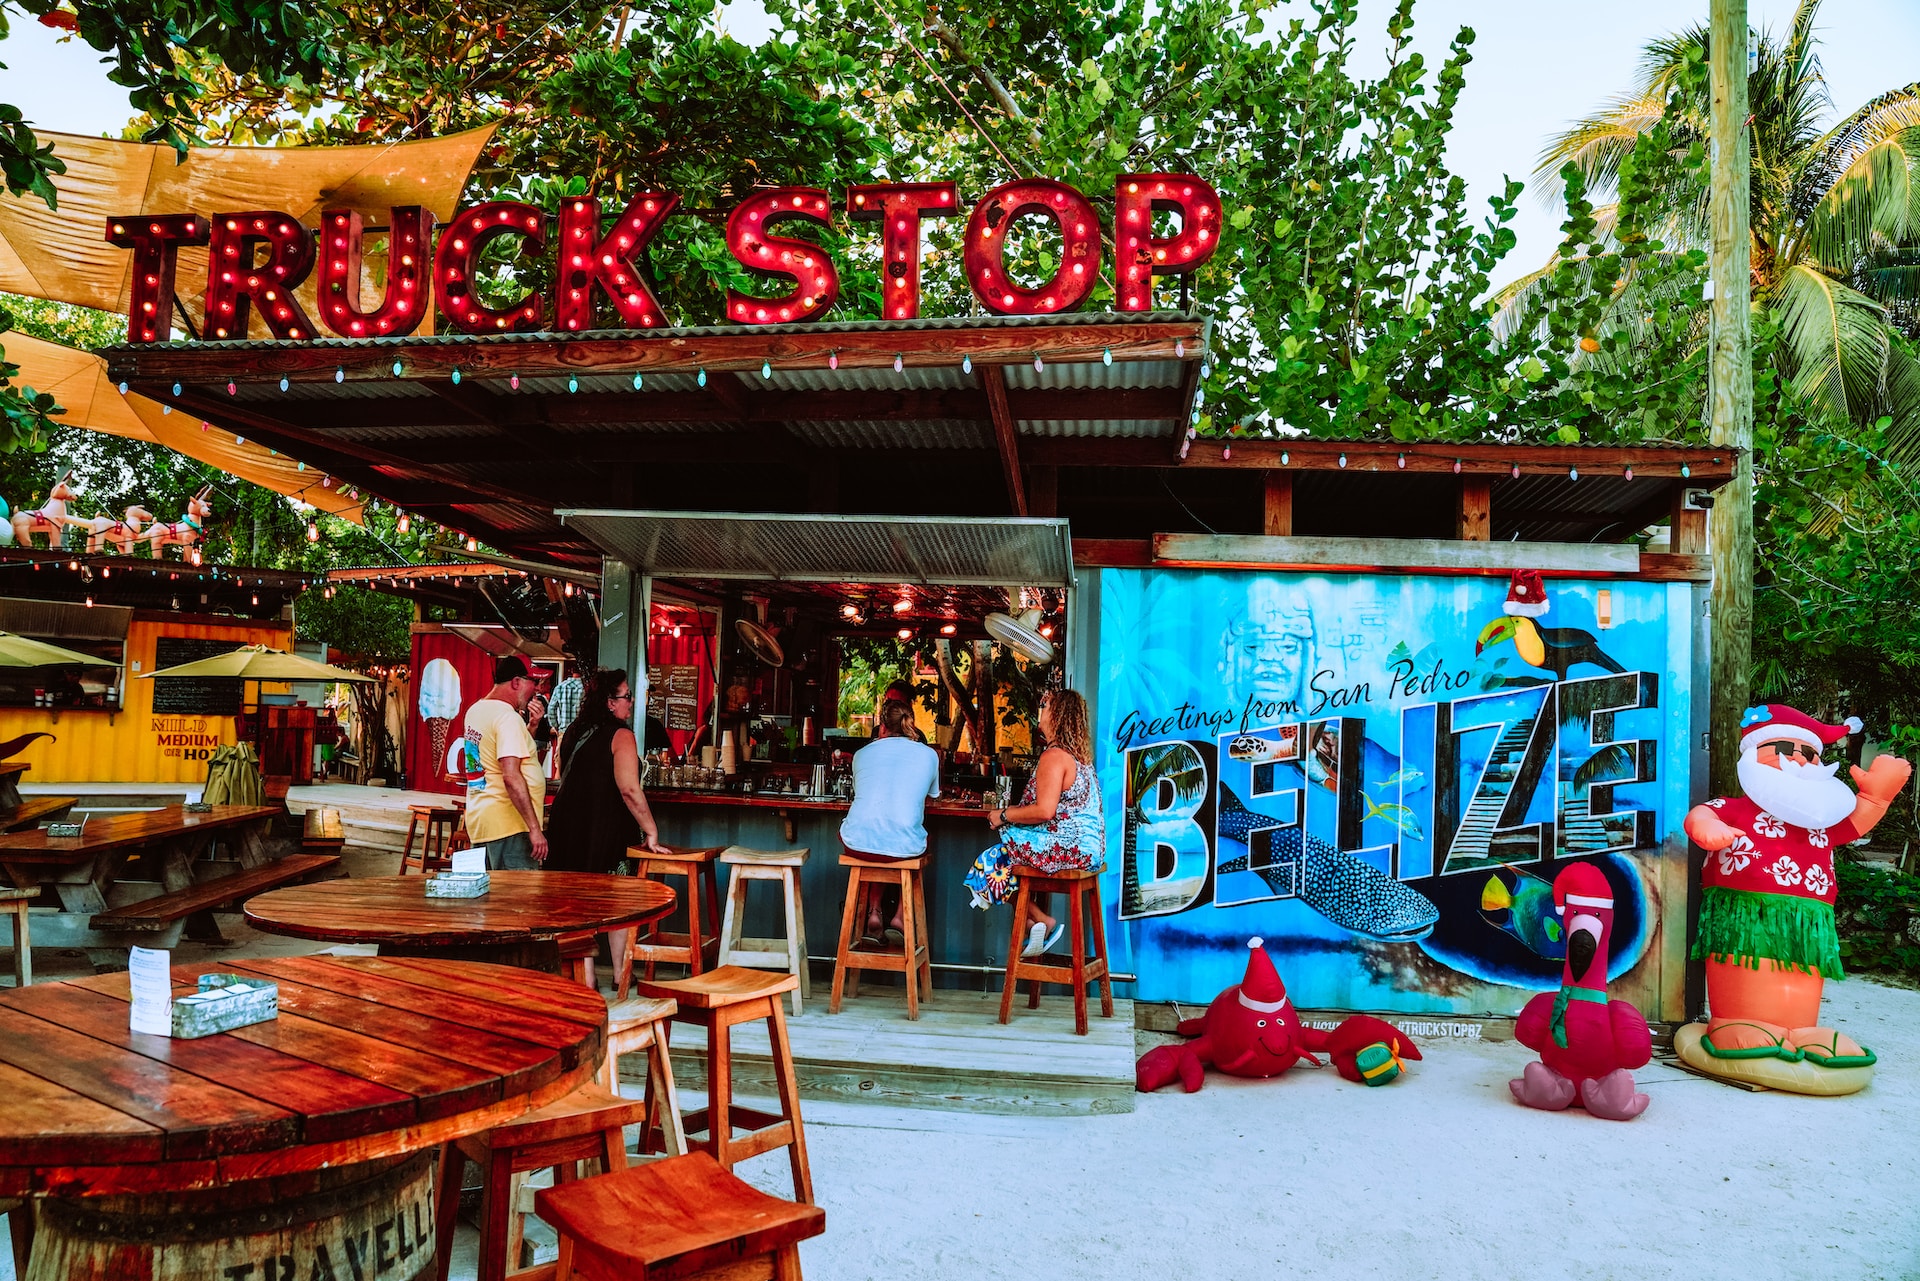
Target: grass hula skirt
[(1746, 926)]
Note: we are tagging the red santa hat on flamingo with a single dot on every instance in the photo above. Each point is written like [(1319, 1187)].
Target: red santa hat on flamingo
[(1262, 989), (1526, 594), (1771, 721)]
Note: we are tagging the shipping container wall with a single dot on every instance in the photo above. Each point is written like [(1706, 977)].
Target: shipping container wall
[(133, 745), (1381, 776)]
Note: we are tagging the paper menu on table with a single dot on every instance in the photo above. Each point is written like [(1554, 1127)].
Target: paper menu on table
[(469, 862), (151, 973)]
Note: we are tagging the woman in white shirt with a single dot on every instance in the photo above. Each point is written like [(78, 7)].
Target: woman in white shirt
[(893, 777)]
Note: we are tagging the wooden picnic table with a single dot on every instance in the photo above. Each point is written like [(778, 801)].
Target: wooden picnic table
[(104, 909), (519, 921), (371, 1063), (10, 772)]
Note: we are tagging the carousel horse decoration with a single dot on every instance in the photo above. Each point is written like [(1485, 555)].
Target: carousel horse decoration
[(187, 531), (49, 519), (122, 533)]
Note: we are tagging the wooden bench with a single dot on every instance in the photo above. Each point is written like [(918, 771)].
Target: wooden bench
[(35, 810), (159, 912)]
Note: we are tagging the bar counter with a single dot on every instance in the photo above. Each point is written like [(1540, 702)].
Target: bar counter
[(956, 834)]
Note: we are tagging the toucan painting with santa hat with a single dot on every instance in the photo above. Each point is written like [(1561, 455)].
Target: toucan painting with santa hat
[(1554, 649)]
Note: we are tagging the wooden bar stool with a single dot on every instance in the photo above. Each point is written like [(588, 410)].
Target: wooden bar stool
[(585, 1125), (438, 843), (682, 1218), (643, 1023), (790, 953), (912, 958), (718, 1001), (1087, 963), (703, 908), (15, 901)]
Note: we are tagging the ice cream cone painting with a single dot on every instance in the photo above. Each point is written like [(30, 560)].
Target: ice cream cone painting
[(440, 702)]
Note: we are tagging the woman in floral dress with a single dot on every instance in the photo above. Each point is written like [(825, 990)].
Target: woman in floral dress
[(1058, 824)]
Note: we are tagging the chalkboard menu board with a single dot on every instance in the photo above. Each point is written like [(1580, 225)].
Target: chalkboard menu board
[(187, 696)]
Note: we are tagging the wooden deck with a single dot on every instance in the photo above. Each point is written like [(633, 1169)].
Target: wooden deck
[(956, 1057)]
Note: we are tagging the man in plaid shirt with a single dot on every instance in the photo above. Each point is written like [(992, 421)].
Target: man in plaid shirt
[(564, 705)]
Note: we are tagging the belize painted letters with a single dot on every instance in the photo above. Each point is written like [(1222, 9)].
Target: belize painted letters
[(1381, 775)]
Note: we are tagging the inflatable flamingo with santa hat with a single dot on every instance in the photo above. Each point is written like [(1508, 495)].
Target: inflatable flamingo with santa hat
[(1588, 1044), (1766, 907)]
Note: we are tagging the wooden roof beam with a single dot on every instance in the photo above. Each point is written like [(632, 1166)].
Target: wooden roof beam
[(1006, 436)]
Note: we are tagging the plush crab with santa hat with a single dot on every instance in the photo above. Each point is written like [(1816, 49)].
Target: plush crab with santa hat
[(1766, 909), (1252, 1029)]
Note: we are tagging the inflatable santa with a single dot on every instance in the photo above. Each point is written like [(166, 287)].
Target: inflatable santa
[(1766, 910)]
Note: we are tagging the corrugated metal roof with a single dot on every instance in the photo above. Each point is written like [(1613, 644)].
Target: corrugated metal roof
[(1100, 428), (769, 545), (910, 378), (589, 382), (934, 433), (348, 390), (1092, 375)]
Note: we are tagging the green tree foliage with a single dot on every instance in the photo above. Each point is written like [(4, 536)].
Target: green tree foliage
[(156, 47), (1835, 212)]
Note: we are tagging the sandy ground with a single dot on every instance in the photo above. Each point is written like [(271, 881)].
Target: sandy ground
[(1438, 1175)]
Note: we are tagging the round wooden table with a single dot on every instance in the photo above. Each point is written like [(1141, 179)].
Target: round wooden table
[(519, 921), (371, 1061)]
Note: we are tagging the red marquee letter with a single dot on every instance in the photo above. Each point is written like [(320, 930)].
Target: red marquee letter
[(410, 231), (156, 249), (460, 246), (986, 243), (616, 264), (1143, 255), (816, 283), (900, 207), (234, 283)]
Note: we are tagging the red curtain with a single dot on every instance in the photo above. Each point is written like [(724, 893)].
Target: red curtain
[(693, 647), (427, 741)]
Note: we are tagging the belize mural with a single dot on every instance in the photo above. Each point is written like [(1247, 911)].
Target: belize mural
[(1382, 775)]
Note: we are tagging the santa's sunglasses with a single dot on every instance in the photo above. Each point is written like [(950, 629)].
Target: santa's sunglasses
[(1784, 747)]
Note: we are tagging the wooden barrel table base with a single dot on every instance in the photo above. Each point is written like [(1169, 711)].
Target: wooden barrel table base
[(369, 1222)]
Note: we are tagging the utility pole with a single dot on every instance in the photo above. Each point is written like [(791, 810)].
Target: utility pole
[(1730, 525)]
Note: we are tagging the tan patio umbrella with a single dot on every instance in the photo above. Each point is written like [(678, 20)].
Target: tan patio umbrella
[(259, 663), (21, 651), (252, 663)]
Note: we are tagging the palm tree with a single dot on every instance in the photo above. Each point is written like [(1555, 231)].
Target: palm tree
[(1835, 213)]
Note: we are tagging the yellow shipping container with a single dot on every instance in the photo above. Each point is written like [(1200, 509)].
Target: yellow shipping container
[(133, 745)]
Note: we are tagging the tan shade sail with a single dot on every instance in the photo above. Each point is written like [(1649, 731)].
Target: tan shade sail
[(22, 651), (258, 663), (62, 254), (78, 380)]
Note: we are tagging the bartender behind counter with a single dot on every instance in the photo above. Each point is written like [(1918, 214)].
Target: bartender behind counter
[(893, 777)]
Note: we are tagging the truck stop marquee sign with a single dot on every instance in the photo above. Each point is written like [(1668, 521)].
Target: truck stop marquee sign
[(257, 259)]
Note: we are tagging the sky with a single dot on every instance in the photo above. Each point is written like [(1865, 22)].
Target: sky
[(1537, 65)]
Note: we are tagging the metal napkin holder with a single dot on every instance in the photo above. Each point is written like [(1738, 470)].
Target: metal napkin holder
[(218, 1007), (457, 885)]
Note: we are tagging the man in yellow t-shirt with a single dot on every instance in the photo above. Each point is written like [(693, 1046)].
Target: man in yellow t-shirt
[(506, 791)]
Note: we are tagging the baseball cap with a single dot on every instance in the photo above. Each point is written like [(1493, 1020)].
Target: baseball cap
[(510, 668)]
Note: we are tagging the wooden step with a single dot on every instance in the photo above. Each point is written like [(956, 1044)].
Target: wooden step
[(957, 1057), (162, 911)]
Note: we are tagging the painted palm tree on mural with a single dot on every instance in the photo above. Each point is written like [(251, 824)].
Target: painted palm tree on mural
[(1835, 214)]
